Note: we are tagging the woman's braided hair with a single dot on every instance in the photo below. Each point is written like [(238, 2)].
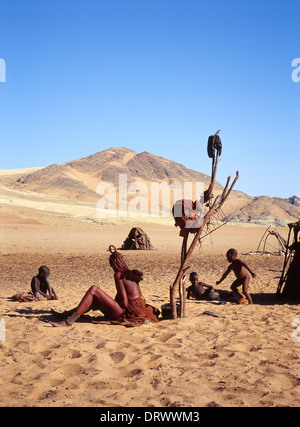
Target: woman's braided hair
[(118, 263)]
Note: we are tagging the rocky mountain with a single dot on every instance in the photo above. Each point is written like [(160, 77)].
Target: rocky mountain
[(294, 200), (267, 211), (78, 180)]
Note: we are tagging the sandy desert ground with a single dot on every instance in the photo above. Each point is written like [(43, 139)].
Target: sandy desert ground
[(246, 357)]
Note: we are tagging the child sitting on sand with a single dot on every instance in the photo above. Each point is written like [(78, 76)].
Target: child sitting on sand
[(197, 289), (239, 268), (40, 285)]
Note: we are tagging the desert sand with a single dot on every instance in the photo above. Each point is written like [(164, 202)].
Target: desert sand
[(246, 357)]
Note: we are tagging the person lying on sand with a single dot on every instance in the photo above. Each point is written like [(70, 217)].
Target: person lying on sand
[(40, 285), (128, 305), (239, 268), (198, 291)]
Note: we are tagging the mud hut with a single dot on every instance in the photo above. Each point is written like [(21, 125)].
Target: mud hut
[(137, 239)]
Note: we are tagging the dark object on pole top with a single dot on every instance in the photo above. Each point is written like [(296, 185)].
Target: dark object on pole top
[(214, 143)]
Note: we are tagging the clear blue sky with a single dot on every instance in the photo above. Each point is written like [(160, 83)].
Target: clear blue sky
[(156, 76)]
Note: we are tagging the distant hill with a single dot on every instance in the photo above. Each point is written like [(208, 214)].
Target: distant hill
[(267, 211), (78, 180)]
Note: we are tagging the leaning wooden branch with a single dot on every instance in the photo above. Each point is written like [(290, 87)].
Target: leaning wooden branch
[(218, 203)]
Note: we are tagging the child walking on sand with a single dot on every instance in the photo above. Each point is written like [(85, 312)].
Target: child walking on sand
[(239, 268)]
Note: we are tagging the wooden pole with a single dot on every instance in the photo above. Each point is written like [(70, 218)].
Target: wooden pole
[(286, 260), (183, 247), (182, 296), (218, 203)]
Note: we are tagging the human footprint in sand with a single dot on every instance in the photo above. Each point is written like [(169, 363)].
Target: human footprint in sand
[(239, 268), (128, 304)]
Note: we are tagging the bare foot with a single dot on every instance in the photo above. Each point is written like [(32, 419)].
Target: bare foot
[(59, 324)]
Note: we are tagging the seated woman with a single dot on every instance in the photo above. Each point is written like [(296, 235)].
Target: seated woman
[(128, 303)]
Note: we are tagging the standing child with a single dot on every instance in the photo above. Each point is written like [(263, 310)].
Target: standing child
[(239, 268)]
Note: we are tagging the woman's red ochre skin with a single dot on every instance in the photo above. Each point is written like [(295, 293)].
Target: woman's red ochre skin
[(128, 302)]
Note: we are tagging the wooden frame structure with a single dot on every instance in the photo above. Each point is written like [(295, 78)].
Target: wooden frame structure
[(213, 207), (264, 240), (291, 240)]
